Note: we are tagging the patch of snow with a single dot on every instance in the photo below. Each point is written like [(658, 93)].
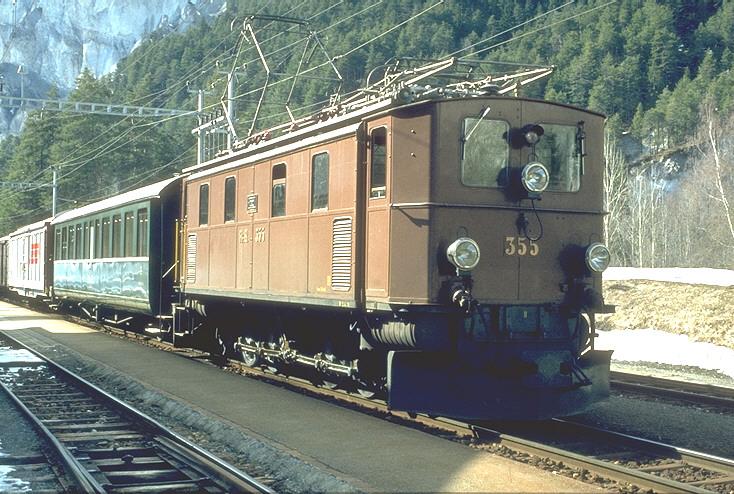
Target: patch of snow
[(652, 345), (692, 276)]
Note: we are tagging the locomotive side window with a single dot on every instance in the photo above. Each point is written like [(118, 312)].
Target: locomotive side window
[(142, 232), (485, 152), (378, 166), (230, 195), (203, 204), (129, 233), (320, 181), (558, 151), (278, 202)]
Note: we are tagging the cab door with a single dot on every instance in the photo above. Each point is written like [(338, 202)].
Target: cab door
[(377, 210)]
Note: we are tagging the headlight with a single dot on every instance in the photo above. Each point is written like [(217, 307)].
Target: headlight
[(463, 253), (597, 257), (534, 177), (532, 133)]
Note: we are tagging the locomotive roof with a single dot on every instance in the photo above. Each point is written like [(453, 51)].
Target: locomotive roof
[(147, 192)]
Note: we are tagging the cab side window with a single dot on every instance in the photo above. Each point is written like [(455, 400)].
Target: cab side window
[(203, 204), (378, 165), (230, 196), (278, 198), (320, 181)]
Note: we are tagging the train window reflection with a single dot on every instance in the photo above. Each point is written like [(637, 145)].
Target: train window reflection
[(485, 152), (558, 151)]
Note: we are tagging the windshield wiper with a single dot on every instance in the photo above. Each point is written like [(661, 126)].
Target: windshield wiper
[(481, 118)]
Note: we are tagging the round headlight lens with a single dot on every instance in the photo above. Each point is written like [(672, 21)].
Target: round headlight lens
[(463, 253), (532, 137), (597, 257), (535, 177)]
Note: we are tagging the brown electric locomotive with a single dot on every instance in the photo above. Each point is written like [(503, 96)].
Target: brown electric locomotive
[(442, 243)]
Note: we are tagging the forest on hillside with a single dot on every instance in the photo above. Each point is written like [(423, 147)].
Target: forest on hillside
[(661, 71)]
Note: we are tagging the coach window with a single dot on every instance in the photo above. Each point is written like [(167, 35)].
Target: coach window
[(203, 204), (378, 166), (97, 240), (85, 241), (278, 203), (64, 243), (116, 237), (57, 247), (320, 181), (105, 234), (142, 232), (79, 243), (128, 233), (72, 242), (230, 194)]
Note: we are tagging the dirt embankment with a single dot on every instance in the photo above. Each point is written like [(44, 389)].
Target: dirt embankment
[(703, 313)]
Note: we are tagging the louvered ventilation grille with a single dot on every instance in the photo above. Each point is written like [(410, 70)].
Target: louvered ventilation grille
[(341, 255), (191, 258)]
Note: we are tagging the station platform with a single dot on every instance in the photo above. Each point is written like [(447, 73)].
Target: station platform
[(361, 452)]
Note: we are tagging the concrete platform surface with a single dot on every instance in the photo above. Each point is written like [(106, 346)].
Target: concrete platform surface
[(368, 453)]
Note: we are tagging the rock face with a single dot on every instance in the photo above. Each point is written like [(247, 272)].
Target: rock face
[(54, 39)]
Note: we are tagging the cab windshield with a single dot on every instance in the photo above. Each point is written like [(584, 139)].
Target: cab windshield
[(486, 154), (559, 150)]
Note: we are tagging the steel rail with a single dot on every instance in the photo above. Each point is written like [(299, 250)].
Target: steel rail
[(197, 456), (600, 467), (706, 394), (84, 481)]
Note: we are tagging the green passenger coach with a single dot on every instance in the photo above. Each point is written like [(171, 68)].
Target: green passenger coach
[(115, 254)]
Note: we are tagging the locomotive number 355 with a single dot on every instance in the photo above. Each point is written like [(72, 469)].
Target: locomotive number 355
[(521, 246)]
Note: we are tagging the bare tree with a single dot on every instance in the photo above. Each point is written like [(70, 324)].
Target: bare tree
[(616, 192)]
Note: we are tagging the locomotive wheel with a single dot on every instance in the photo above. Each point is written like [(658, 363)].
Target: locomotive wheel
[(327, 381), (250, 358)]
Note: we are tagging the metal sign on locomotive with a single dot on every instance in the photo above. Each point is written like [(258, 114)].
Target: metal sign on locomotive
[(433, 236)]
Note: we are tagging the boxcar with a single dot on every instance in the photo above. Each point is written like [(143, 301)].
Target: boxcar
[(28, 248), (112, 255)]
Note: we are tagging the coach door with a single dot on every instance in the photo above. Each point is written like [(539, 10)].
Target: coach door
[(377, 209)]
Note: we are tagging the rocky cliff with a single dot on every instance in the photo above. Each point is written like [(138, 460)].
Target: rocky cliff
[(54, 39)]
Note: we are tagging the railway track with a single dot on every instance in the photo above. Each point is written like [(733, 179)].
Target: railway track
[(619, 457), (105, 445), (695, 393), (591, 453)]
